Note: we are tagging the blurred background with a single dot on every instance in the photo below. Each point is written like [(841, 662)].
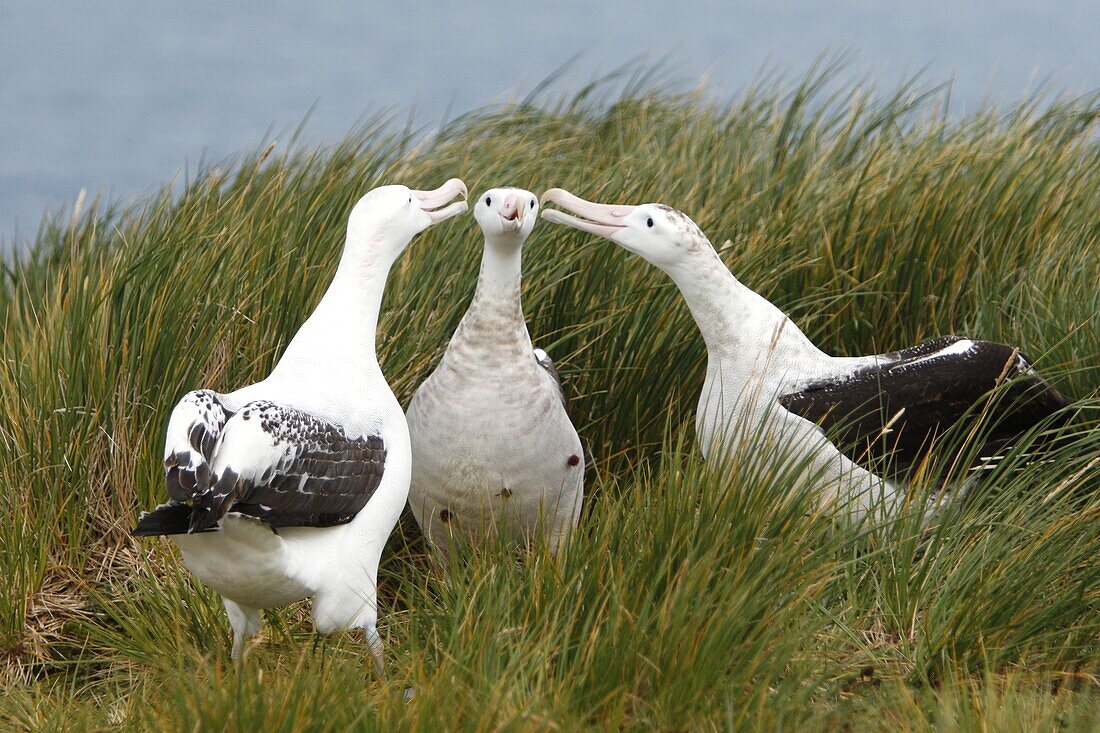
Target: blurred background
[(118, 98)]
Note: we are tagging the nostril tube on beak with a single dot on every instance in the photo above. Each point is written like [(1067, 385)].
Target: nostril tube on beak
[(511, 208)]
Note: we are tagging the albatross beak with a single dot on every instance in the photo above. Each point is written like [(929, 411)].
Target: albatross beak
[(512, 210), (603, 220), (430, 201)]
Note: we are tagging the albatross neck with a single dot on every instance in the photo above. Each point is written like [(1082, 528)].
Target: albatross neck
[(737, 324), (493, 331), (342, 329), (501, 267)]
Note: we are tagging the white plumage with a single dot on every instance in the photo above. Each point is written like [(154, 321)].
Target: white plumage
[(288, 488), (764, 377), (493, 447)]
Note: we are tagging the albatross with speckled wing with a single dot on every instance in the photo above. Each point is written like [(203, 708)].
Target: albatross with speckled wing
[(288, 488)]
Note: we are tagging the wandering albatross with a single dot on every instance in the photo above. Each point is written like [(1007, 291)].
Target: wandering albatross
[(494, 450), (288, 488), (883, 411)]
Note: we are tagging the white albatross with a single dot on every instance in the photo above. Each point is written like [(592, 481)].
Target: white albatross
[(765, 375), (288, 488), (494, 450)]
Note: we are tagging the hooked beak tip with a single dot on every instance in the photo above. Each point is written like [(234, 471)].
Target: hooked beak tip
[(458, 184), (512, 210), (434, 203), (549, 195)]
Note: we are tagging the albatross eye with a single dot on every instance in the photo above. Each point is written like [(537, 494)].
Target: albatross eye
[(488, 200), (532, 203), (649, 222)]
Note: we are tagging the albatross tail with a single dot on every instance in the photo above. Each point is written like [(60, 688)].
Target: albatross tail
[(166, 519)]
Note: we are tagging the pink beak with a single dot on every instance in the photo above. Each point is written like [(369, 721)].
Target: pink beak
[(603, 220), (512, 210), (431, 201)]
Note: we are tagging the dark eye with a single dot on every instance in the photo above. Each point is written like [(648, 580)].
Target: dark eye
[(649, 222), (532, 203), (488, 200), (410, 199)]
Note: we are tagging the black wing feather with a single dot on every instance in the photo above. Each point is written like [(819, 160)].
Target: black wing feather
[(897, 409), (167, 519)]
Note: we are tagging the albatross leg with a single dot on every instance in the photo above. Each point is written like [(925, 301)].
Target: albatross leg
[(374, 644), (245, 622)]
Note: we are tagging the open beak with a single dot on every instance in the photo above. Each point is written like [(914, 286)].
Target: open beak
[(511, 211), (431, 201), (603, 220)]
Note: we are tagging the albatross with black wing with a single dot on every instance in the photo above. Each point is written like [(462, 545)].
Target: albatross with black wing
[(880, 412), (288, 488)]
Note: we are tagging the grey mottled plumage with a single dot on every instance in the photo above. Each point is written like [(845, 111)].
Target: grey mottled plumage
[(493, 447)]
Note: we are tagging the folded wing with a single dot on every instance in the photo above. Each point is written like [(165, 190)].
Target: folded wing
[(278, 464), (897, 408), (543, 360)]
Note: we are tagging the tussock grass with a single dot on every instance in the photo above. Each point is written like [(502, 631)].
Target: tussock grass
[(692, 596)]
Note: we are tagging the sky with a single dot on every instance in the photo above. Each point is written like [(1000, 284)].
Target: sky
[(118, 98)]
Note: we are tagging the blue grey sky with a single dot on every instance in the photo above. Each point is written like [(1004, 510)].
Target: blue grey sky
[(116, 97)]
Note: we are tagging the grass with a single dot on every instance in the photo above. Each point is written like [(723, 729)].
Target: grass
[(693, 597)]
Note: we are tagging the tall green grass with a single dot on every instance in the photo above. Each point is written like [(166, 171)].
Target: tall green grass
[(692, 596)]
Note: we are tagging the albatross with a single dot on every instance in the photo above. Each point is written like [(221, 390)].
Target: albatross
[(494, 450), (845, 415), (288, 488)]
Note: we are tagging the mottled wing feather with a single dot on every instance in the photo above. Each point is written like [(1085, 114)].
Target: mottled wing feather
[(897, 408), (194, 428), (543, 360), (290, 468), (193, 431), (924, 348)]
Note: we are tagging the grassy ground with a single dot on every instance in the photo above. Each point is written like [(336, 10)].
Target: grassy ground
[(692, 598)]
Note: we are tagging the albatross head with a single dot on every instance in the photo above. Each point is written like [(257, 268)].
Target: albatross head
[(385, 220), (507, 214), (662, 235)]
